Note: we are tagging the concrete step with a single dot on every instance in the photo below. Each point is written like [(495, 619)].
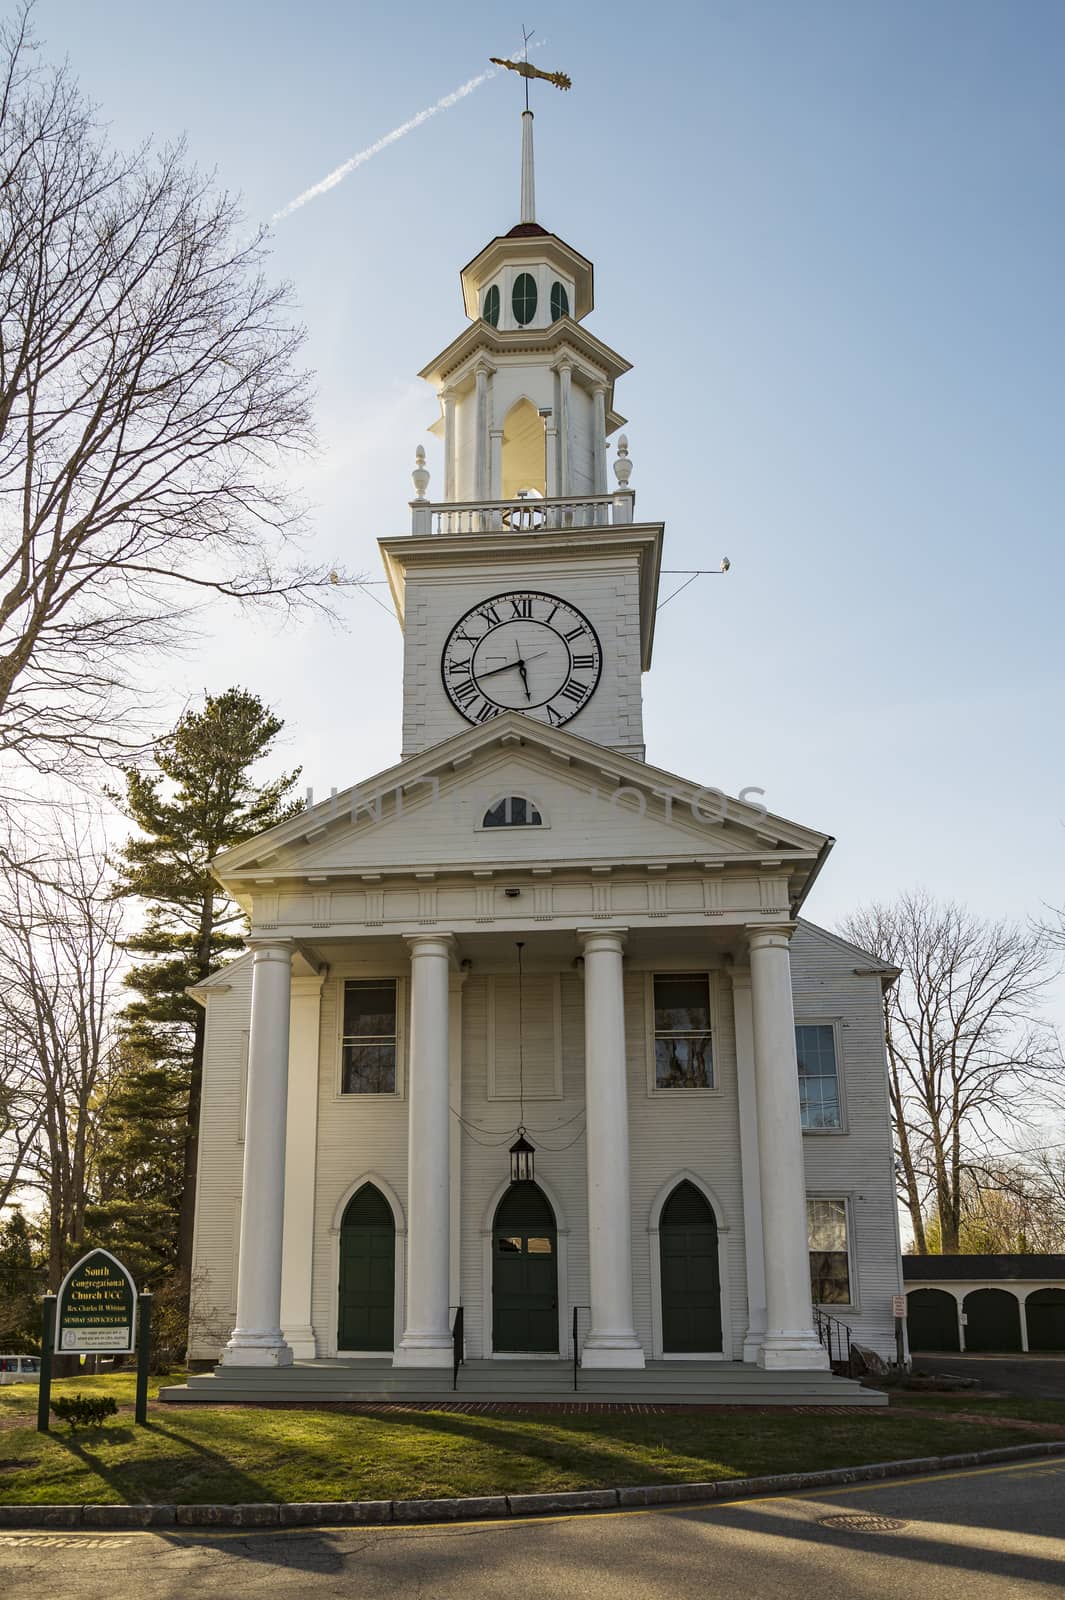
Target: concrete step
[(663, 1383)]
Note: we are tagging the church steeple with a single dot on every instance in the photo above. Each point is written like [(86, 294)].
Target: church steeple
[(526, 392)]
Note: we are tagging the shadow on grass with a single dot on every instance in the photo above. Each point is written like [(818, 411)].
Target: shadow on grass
[(142, 1479)]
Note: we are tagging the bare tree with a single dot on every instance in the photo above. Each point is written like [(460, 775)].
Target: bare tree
[(59, 969), (969, 1058), (148, 399)]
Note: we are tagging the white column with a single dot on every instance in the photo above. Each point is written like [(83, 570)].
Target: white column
[(480, 443), (426, 1339), (495, 470), (257, 1340), (449, 445), (612, 1340), (790, 1339), (750, 1166), (457, 983), (599, 397), (566, 379), (301, 1161)]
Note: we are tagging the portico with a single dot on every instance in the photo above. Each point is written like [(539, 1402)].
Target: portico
[(751, 960)]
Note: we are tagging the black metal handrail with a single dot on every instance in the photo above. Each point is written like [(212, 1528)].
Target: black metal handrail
[(458, 1341), (834, 1335), (576, 1345)]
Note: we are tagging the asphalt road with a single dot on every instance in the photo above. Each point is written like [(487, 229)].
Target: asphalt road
[(994, 1534), (1034, 1377)]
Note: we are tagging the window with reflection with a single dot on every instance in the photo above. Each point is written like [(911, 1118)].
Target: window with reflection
[(830, 1272), (523, 298), (559, 301), (815, 1047), (491, 306), (368, 1046), (683, 1054)]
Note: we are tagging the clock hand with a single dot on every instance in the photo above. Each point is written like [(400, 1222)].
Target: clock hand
[(524, 679), (508, 665)]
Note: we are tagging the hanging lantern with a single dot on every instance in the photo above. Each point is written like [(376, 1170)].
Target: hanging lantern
[(522, 1160)]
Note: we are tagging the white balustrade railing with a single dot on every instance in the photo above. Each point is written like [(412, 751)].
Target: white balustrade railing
[(526, 515)]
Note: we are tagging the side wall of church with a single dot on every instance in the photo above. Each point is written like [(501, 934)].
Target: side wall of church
[(856, 1164)]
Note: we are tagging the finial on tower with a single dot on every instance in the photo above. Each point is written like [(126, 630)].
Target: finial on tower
[(622, 464), (420, 475)]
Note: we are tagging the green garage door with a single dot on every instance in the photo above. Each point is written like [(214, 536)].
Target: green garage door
[(1046, 1319), (524, 1272), (932, 1320), (691, 1282), (993, 1320), (367, 1273)]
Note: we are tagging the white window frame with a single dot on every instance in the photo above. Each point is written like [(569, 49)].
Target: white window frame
[(508, 827), (399, 1092), (833, 1308), (653, 1090), (836, 1024)]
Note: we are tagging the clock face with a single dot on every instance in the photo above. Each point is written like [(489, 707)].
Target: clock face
[(522, 651)]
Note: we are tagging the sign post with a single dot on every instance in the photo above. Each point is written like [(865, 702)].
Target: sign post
[(44, 1391), (95, 1313), (144, 1339), (898, 1306)]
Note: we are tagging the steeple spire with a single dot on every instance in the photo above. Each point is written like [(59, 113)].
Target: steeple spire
[(528, 180)]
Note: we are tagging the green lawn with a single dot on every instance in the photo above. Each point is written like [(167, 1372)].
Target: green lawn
[(190, 1454)]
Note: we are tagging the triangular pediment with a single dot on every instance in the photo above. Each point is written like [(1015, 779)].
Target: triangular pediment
[(598, 809)]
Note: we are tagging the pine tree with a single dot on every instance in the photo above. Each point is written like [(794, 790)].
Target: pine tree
[(202, 800)]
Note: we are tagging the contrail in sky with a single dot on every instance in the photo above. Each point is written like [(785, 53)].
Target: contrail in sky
[(371, 150)]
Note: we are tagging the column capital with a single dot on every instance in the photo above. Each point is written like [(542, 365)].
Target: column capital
[(430, 944), (773, 936), (271, 949), (594, 940), (739, 977)]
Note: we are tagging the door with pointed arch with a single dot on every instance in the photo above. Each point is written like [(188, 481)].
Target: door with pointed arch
[(367, 1295), (524, 1273), (691, 1275)]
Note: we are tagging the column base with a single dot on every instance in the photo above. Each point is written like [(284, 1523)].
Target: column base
[(799, 1351), (256, 1350), (424, 1350), (612, 1350)]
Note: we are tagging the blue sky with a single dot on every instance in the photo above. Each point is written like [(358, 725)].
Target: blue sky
[(830, 239)]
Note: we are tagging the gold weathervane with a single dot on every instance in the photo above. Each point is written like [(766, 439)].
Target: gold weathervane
[(527, 70)]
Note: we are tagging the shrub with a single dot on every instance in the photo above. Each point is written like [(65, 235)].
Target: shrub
[(84, 1410)]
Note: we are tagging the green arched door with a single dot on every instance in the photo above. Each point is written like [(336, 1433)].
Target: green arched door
[(367, 1273), (993, 1320), (1045, 1309), (691, 1277), (932, 1320), (524, 1272)]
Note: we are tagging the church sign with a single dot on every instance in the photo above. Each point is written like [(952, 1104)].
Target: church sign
[(96, 1308)]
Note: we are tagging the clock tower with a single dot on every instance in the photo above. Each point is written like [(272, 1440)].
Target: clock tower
[(529, 586)]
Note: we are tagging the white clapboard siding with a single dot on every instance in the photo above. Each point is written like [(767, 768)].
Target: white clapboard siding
[(857, 1163)]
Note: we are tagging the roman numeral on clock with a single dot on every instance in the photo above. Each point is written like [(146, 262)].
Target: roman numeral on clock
[(466, 693), (490, 615), (587, 663), (574, 691), (522, 606), (457, 668), (574, 633)]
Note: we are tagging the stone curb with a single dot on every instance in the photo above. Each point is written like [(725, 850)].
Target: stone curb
[(337, 1513)]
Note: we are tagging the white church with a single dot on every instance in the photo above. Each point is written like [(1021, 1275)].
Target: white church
[(534, 1072)]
